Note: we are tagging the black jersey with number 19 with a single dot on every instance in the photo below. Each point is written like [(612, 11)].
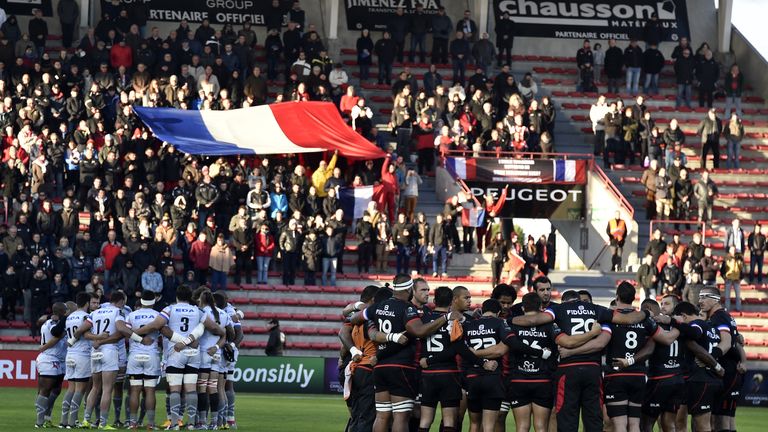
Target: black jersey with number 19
[(391, 316)]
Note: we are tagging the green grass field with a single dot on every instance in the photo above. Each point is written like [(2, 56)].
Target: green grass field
[(270, 412)]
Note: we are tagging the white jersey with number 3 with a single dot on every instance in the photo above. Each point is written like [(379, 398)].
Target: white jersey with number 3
[(182, 318)]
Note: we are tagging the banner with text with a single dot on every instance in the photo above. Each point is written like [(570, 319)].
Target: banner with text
[(18, 368), (334, 378), (511, 170), (754, 392), (376, 14), (280, 374), (216, 11), (535, 201), (25, 7), (594, 19)]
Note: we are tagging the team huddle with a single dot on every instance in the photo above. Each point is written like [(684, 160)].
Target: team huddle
[(546, 362), (192, 344)]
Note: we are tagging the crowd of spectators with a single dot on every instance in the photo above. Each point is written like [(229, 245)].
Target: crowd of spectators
[(93, 202)]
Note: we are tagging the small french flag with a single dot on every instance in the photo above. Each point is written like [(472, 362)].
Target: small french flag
[(463, 168), (569, 171), (354, 201)]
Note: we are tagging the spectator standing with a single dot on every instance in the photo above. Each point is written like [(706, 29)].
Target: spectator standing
[(584, 58), (734, 85), (617, 235), (599, 56), (757, 246), (312, 254), (653, 63), (633, 61), (734, 133), (653, 33), (705, 192), (459, 52), (384, 242), (331, 249), (682, 197), (200, 254), (648, 180), (290, 247), (386, 50), (735, 237), (499, 249), (710, 130), (38, 31), (276, 341), (505, 36), (364, 48), (68, 12), (403, 236), (151, 280), (467, 26), (483, 53), (731, 271), (707, 73), (411, 192), (398, 28), (597, 113), (614, 63), (646, 277), (418, 26), (442, 27), (438, 244), (264, 251), (663, 194), (685, 69), (243, 242)]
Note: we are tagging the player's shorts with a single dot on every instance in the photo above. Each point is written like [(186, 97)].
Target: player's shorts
[(109, 361), (525, 392), (122, 355), (725, 401), (702, 396), (618, 388), (143, 365), (484, 392), (207, 361), (443, 388), (663, 396), (50, 366), (78, 367), (186, 358), (398, 381)]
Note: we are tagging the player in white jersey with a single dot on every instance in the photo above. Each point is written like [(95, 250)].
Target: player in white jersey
[(104, 338), (78, 360), (50, 361), (143, 360), (210, 359), (122, 364), (226, 381), (183, 323)]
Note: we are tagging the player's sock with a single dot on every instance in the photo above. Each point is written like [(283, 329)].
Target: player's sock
[(74, 407), (413, 424), (142, 410), (191, 403), (423, 429), (214, 402), (65, 408), (150, 417), (202, 408), (104, 417), (41, 404), (231, 406), (175, 407), (168, 405), (51, 402), (117, 401), (448, 429)]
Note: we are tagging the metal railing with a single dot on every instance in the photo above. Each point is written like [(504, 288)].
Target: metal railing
[(490, 154), (613, 189), (703, 226)]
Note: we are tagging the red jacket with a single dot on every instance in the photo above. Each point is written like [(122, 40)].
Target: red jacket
[(200, 254), (265, 245), (109, 252), (388, 180), (121, 56)]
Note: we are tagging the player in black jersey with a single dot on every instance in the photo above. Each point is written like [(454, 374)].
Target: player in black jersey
[(729, 353), (420, 298), (506, 295), (579, 376), (541, 286), (395, 372), (625, 375), (704, 372), (484, 388), (529, 385), (440, 375), (664, 388)]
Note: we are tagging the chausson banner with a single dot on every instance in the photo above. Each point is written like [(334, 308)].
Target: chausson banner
[(513, 170), (594, 19), (376, 14), (216, 11), (25, 7)]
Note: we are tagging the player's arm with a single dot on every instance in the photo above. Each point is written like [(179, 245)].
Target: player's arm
[(702, 355), (495, 351), (156, 325), (212, 327), (238, 334), (595, 345), (534, 320), (666, 337), (517, 346), (381, 337), (574, 341), (629, 318), (419, 329), (85, 328), (725, 343), (640, 356), (345, 336), (124, 329)]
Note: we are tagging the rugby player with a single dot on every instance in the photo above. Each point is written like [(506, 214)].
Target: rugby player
[(78, 359), (51, 362)]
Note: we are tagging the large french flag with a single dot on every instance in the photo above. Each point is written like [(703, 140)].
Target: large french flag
[(460, 167), (569, 171), (354, 200), (289, 127)]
